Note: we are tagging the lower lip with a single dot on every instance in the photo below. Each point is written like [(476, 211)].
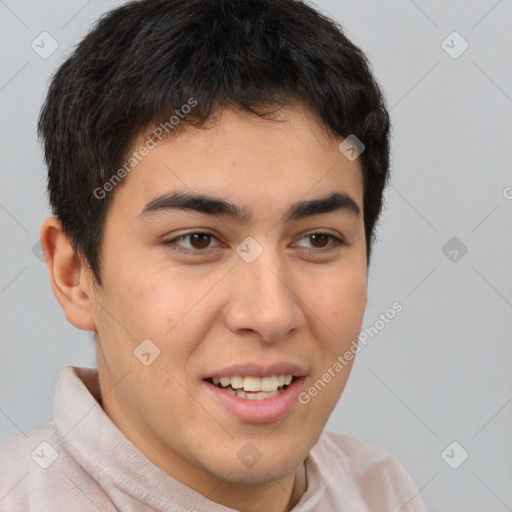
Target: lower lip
[(258, 411)]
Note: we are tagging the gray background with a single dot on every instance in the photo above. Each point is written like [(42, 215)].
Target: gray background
[(441, 370)]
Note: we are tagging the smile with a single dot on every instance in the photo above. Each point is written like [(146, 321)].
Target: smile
[(260, 406), (252, 387)]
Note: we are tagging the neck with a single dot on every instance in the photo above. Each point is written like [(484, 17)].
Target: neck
[(276, 496)]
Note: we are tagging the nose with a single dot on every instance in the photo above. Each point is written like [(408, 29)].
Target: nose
[(264, 298)]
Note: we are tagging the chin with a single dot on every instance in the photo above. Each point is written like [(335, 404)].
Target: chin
[(247, 464)]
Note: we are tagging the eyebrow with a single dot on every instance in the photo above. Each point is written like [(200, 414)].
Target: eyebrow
[(210, 205)]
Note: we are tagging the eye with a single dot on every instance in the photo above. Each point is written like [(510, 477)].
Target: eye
[(321, 240), (197, 241)]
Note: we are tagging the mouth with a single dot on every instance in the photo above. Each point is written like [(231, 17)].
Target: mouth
[(252, 387), (256, 393)]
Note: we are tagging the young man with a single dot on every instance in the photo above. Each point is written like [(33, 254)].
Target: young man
[(216, 170)]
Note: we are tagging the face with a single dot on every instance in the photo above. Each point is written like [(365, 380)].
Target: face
[(195, 292)]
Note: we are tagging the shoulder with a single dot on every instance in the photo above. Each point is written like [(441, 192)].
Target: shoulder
[(22, 449), (38, 473), (21, 461), (376, 473)]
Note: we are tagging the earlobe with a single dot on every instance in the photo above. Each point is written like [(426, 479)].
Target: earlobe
[(68, 276)]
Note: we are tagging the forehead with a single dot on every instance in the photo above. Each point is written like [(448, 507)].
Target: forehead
[(263, 163)]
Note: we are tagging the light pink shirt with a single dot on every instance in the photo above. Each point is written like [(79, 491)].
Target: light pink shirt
[(82, 462)]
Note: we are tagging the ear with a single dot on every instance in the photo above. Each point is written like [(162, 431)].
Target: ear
[(70, 280)]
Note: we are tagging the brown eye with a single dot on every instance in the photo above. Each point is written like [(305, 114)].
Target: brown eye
[(200, 240), (323, 242), (195, 242), (320, 240)]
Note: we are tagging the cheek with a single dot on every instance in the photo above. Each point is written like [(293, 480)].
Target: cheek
[(341, 304), (341, 307), (176, 314), (148, 305)]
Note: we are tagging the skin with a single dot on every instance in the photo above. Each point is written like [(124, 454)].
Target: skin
[(296, 302)]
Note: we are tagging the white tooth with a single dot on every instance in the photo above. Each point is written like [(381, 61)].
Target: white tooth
[(225, 381), (252, 383), (267, 394), (261, 395), (269, 383), (237, 382)]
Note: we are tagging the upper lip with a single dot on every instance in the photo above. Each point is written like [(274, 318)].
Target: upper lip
[(259, 370)]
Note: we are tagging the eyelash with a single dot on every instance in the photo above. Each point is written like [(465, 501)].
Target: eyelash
[(336, 243)]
